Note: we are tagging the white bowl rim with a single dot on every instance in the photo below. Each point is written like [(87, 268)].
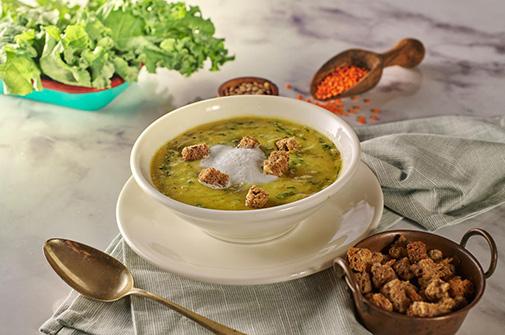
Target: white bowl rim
[(300, 204)]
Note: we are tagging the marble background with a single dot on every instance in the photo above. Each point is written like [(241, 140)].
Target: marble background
[(61, 170)]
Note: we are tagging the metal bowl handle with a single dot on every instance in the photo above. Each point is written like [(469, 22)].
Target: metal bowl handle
[(349, 279), (492, 247)]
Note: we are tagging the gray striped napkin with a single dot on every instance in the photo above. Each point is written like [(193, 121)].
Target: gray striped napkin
[(436, 172)]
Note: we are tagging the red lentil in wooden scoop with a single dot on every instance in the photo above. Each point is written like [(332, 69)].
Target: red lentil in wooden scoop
[(338, 81), (356, 71)]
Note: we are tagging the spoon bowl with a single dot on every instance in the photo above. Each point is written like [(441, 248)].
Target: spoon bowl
[(101, 277), (95, 275), (407, 53)]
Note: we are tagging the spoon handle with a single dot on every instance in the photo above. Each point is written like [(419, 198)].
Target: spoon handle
[(408, 53), (213, 326)]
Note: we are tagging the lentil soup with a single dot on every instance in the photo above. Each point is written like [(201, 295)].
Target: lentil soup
[(312, 167)]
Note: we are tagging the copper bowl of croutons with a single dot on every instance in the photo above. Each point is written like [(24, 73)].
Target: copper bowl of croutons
[(414, 282)]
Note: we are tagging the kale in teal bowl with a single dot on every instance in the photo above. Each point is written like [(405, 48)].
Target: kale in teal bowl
[(83, 55)]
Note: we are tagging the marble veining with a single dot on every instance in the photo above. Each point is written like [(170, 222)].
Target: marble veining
[(61, 170)]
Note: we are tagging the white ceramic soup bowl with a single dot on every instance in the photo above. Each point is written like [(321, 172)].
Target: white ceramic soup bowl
[(245, 226)]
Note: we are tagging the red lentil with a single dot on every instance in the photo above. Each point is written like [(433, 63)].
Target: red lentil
[(361, 119), (337, 107), (340, 80)]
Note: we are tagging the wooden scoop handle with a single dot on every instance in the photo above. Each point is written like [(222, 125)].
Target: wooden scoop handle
[(408, 53)]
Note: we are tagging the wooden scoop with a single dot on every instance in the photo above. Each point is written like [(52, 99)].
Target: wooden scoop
[(407, 53)]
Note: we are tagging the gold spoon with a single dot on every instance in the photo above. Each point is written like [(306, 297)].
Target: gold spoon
[(101, 277), (407, 53)]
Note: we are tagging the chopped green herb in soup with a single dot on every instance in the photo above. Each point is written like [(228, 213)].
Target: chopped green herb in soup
[(203, 166)]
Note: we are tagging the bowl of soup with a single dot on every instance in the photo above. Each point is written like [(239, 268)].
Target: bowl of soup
[(245, 169)]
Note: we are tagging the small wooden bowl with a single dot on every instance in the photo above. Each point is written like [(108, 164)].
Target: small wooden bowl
[(381, 322), (221, 91)]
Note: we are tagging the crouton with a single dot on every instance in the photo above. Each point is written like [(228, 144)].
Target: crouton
[(377, 257), (256, 197), (364, 282), (381, 274), (436, 290), (213, 178), (436, 255), (398, 249), (416, 251), (359, 258), (460, 287), (248, 142), (446, 269), (402, 269), (427, 309), (287, 144), (195, 152), (277, 163), (394, 290), (427, 270), (381, 301), (411, 291)]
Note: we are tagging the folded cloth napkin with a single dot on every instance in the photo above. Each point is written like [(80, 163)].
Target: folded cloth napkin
[(435, 171)]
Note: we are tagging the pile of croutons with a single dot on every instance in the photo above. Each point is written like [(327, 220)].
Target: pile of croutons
[(410, 279)]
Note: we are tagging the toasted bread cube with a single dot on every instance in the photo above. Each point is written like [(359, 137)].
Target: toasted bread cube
[(402, 269), (377, 257), (195, 152), (381, 301), (427, 270), (411, 291), (398, 249), (427, 309), (256, 197), (394, 290), (446, 269), (416, 251), (364, 281), (460, 287), (436, 290), (277, 163), (214, 178), (436, 255), (248, 142), (287, 144), (381, 274), (359, 258)]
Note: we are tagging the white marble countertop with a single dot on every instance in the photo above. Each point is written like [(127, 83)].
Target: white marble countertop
[(61, 170)]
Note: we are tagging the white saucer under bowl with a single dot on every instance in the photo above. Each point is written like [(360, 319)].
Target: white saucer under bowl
[(162, 238)]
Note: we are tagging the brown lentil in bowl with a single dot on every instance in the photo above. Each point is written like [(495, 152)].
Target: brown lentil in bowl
[(248, 85)]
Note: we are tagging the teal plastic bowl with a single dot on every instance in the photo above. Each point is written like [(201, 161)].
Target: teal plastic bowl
[(84, 98)]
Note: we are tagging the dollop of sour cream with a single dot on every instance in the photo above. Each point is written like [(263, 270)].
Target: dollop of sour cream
[(242, 165)]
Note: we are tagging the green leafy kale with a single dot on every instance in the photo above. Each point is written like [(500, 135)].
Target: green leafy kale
[(88, 45)]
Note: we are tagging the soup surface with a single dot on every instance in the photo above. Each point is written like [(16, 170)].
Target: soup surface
[(314, 166)]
